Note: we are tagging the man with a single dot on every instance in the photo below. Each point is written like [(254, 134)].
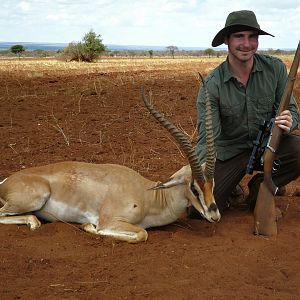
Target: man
[(244, 91)]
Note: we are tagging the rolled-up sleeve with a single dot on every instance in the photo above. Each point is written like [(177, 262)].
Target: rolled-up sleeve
[(282, 79)]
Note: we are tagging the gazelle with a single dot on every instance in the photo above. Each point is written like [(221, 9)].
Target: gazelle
[(111, 200)]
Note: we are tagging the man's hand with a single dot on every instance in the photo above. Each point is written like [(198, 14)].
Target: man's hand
[(284, 121)]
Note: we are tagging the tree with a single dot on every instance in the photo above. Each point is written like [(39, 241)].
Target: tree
[(150, 53), (87, 50), (92, 46), (17, 49), (172, 50), (210, 52)]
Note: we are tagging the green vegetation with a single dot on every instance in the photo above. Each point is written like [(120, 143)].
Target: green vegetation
[(209, 52), (172, 50), (91, 47), (88, 50), (17, 49)]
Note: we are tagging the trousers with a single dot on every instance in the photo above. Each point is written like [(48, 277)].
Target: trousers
[(230, 172)]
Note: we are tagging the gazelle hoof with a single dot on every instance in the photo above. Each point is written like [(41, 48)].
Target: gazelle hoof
[(33, 223)]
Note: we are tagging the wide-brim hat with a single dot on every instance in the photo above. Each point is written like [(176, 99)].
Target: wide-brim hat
[(242, 20)]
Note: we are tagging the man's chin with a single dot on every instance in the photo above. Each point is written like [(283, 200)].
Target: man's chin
[(246, 56)]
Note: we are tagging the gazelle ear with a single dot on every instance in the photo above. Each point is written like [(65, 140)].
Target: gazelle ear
[(171, 182)]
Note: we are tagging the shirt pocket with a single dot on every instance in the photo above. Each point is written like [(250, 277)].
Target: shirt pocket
[(230, 114), (263, 108), (232, 119)]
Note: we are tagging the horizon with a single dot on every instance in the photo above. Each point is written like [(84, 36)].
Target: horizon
[(114, 47)]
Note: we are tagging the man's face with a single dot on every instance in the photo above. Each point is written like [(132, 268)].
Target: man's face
[(242, 45)]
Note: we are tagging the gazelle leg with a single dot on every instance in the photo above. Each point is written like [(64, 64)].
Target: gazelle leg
[(24, 194), (90, 228), (30, 220), (120, 231)]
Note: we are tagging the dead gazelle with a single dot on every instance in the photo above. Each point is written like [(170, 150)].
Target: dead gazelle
[(107, 199)]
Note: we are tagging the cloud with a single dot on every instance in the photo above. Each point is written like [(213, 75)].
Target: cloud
[(24, 6), (148, 22)]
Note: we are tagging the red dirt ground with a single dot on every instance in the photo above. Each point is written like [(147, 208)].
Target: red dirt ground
[(99, 117)]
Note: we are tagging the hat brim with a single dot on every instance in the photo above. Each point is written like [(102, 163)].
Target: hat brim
[(220, 36)]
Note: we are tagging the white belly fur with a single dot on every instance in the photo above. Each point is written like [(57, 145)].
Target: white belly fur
[(55, 210)]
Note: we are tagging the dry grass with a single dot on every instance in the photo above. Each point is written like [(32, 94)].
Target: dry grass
[(41, 68), (34, 68)]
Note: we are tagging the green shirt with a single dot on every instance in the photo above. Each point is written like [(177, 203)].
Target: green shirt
[(238, 111)]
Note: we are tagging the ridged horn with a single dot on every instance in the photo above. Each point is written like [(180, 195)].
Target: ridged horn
[(180, 137), (210, 148)]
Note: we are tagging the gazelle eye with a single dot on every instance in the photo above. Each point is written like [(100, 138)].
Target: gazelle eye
[(193, 189)]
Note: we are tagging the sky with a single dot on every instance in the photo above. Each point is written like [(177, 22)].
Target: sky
[(182, 23)]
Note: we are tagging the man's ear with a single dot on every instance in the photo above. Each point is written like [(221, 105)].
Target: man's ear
[(226, 40)]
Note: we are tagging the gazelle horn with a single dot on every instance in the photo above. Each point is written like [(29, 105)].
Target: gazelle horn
[(180, 137), (210, 148)]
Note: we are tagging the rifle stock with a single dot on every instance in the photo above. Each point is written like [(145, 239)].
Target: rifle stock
[(264, 212)]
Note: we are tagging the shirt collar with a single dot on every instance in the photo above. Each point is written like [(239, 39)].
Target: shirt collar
[(257, 67)]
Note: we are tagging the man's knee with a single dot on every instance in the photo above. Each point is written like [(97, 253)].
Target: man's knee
[(289, 150), (296, 151)]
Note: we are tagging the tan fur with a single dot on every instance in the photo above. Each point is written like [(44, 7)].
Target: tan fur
[(108, 199)]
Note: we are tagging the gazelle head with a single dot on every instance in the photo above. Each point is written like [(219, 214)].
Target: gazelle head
[(200, 183)]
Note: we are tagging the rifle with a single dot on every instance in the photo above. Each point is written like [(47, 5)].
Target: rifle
[(264, 212), (256, 160)]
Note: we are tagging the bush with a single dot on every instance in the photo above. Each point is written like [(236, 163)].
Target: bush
[(87, 50), (73, 52)]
